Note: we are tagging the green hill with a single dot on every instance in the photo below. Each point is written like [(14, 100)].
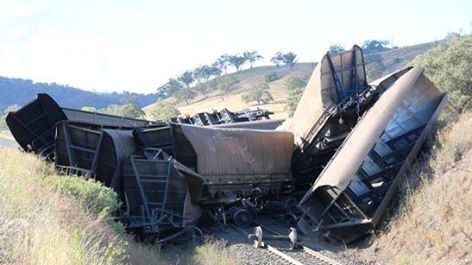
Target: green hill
[(21, 91)]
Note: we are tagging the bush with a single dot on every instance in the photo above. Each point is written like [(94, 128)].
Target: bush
[(129, 110), (450, 68), (40, 225), (227, 84), (295, 82), (272, 77), (259, 94), (164, 110), (95, 197), (294, 97)]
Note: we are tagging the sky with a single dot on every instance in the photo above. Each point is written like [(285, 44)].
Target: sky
[(138, 45)]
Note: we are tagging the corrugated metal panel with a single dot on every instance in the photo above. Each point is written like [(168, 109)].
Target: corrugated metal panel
[(232, 152)]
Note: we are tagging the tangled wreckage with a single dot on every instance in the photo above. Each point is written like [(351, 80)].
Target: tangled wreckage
[(333, 167)]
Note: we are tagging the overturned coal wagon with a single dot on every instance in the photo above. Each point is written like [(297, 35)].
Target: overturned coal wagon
[(333, 167)]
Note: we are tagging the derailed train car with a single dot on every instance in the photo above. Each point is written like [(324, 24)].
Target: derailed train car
[(335, 98), (353, 191), (168, 174), (34, 125)]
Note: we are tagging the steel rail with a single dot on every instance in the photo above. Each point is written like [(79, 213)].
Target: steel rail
[(306, 249), (284, 256)]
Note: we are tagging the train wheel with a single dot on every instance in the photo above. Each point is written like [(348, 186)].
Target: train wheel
[(242, 217)]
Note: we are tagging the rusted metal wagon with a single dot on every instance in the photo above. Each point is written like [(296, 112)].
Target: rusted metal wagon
[(34, 125), (354, 189), (345, 149)]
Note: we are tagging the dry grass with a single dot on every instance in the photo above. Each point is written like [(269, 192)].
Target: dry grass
[(50, 219), (434, 222), (214, 252), (248, 79), (40, 225)]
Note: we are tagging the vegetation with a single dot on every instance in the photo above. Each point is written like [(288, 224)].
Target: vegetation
[(259, 94), (277, 59), (374, 66), (215, 252), (449, 66), (335, 48), (227, 84), (272, 77), (432, 223), (3, 123), (251, 57), (237, 61), (372, 46), (186, 94), (50, 219), (295, 82), (296, 85), (40, 224), (129, 110), (21, 91), (164, 110), (294, 96)]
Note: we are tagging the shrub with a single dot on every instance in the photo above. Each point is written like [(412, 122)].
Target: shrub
[(259, 94), (164, 110), (294, 97), (95, 197), (272, 77), (450, 68), (295, 82)]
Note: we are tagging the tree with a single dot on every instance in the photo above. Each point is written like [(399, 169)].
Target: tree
[(371, 46), (227, 84), (252, 57), (295, 82), (203, 89), (126, 110), (336, 48), (186, 78), (294, 97), (259, 94), (169, 88), (277, 59), (450, 68), (289, 59), (164, 110), (222, 63), (204, 73), (186, 94), (237, 61)]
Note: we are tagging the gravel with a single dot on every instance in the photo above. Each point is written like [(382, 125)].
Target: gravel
[(239, 244)]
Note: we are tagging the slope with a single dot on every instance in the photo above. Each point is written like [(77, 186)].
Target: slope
[(21, 91), (248, 79)]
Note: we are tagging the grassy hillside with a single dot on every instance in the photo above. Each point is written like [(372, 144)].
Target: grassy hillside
[(392, 60), (49, 219), (247, 80), (399, 58)]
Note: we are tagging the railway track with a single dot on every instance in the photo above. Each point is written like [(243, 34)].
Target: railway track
[(302, 255)]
